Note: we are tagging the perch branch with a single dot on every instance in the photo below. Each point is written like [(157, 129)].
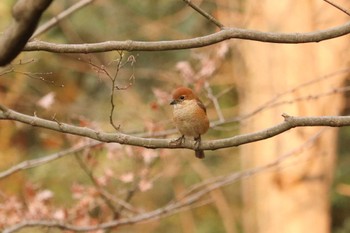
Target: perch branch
[(153, 143)]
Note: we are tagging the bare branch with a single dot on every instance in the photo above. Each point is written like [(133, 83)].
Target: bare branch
[(214, 101), (40, 161), (205, 14), (99, 189), (188, 198), (272, 102), (113, 87), (289, 123), (338, 7), (64, 14), (26, 15), (225, 34), (314, 97)]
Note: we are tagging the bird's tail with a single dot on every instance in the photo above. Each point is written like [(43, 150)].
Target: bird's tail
[(199, 154)]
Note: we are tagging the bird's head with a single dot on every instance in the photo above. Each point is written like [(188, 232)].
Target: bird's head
[(181, 95)]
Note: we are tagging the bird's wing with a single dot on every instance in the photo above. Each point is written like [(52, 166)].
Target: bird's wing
[(201, 105)]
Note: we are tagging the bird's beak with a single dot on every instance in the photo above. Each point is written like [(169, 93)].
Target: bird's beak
[(173, 102)]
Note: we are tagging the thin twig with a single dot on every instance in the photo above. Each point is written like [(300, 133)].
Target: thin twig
[(226, 179), (39, 76), (273, 100), (215, 101), (267, 105), (205, 14), (10, 70), (131, 60), (142, 140), (313, 97), (100, 190), (189, 198), (338, 7), (52, 22), (113, 79)]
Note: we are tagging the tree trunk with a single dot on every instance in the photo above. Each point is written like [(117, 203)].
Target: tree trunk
[(294, 197)]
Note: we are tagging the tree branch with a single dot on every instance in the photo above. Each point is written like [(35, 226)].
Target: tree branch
[(121, 138), (43, 160), (338, 7), (26, 15), (100, 190), (205, 14), (225, 34), (64, 14), (189, 197)]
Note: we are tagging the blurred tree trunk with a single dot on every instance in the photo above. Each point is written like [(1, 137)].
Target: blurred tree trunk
[(295, 196)]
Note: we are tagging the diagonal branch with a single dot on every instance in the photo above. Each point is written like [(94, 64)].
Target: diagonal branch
[(225, 34), (193, 195), (205, 14), (39, 161), (64, 14), (100, 190), (338, 7), (26, 15), (153, 143)]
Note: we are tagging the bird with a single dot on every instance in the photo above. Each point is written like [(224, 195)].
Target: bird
[(189, 116)]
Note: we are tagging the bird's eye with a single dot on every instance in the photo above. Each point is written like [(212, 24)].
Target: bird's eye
[(182, 97)]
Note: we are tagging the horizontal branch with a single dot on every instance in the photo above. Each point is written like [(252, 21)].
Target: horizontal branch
[(153, 143), (225, 34)]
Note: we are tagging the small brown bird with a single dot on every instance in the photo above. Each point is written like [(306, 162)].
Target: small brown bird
[(190, 116)]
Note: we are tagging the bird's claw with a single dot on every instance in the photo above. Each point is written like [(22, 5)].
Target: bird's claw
[(178, 141), (197, 141)]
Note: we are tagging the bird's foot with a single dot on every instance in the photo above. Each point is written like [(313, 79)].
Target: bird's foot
[(178, 141), (197, 141)]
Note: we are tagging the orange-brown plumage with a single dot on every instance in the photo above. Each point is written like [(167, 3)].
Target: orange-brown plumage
[(190, 115)]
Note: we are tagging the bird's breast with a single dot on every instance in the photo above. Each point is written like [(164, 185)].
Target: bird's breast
[(190, 119)]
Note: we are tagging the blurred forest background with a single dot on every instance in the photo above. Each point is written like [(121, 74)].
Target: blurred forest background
[(75, 89)]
